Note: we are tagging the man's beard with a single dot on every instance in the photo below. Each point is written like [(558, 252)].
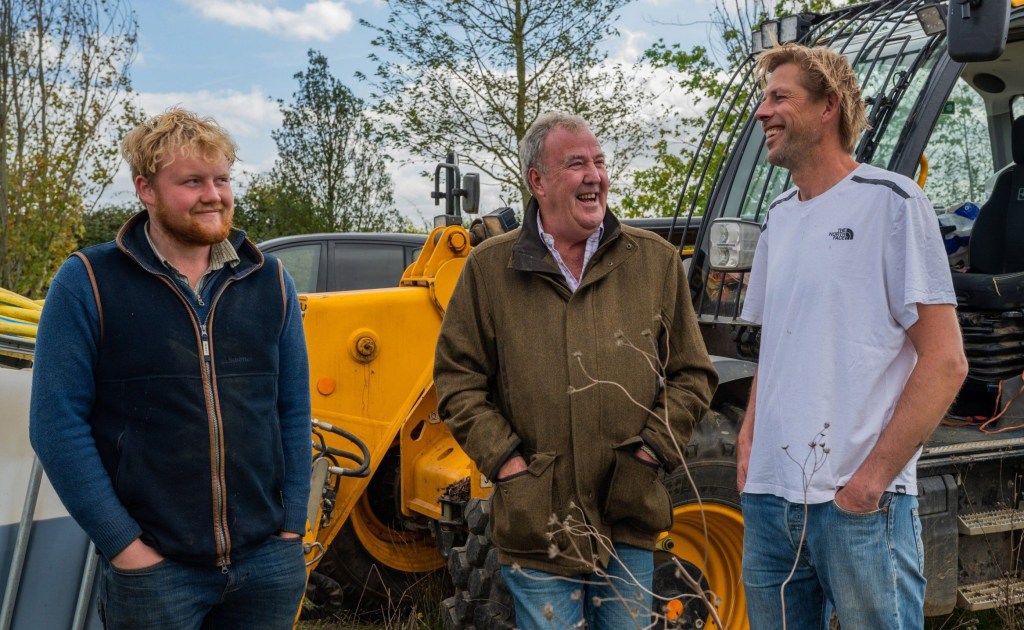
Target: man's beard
[(191, 232), (799, 150)]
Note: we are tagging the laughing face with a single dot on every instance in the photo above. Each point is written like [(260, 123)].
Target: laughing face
[(190, 199), (572, 187), (791, 119)]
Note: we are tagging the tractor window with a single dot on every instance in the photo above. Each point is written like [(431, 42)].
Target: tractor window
[(959, 151), (884, 75)]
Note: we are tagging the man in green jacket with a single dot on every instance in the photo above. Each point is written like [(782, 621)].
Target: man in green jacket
[(571, 370)]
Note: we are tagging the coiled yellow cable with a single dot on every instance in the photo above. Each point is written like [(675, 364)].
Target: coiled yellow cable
[(19, 318)]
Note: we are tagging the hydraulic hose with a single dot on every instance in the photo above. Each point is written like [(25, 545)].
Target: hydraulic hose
[(19, 320)]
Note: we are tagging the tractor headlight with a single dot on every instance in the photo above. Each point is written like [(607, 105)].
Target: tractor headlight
[(732, 244)]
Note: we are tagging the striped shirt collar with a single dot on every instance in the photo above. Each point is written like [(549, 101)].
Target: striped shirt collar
[(221, 254), (592, 242)]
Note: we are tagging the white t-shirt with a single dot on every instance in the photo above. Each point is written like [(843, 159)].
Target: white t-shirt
[(835, 284)]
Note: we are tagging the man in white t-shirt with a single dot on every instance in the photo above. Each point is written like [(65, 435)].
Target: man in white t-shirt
[(860, 357)]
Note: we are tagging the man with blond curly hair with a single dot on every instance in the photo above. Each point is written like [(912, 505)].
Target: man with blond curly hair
[(860, 357), (170, 399)]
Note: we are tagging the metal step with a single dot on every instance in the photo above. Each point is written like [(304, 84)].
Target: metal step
[(991, 522), (991, 594)]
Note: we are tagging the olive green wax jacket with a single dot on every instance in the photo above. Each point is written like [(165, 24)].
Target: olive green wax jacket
[(575, 383)]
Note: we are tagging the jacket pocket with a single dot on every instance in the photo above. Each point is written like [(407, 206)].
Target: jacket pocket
[(522, 508), (635, 494)]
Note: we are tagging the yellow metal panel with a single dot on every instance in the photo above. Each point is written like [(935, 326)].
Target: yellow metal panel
[(431, 459), (371, 358), (377, 347)]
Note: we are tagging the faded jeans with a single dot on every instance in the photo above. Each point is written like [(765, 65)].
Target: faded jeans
[(617, 602), (869, 566), (261, 589)]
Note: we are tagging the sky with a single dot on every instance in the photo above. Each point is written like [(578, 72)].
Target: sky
[(231, 59)]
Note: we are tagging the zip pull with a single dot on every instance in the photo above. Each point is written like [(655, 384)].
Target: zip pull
[(224, 566), (206, 341)]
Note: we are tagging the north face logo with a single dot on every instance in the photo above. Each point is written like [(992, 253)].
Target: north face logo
[(1020, 194), (842, 234)]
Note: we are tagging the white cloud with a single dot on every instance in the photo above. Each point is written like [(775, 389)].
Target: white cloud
[(631, 46), (245, 115), (320, 20)]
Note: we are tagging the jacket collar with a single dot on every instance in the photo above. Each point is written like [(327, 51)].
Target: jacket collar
[(529, 252), (131, 239)]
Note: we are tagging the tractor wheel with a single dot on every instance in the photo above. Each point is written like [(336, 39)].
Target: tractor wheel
[(378, 563), (706, 539), (482, 602)]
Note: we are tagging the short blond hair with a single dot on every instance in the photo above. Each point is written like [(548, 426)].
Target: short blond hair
[(152, 144), (824, 72)]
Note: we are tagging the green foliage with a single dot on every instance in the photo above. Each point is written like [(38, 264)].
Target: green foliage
[(41, 226), (472, 76), (102, 224), (63, 105), (329, 175)]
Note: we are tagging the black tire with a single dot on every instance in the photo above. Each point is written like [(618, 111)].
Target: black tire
[(368, 584), (324, 597), (481, 601)]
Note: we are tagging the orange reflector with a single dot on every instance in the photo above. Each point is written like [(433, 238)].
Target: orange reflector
[(673, 609), (325, 386)]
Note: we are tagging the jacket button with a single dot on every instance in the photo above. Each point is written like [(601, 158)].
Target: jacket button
[(610, 263)]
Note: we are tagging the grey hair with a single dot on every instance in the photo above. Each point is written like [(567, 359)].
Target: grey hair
[(532, 145)]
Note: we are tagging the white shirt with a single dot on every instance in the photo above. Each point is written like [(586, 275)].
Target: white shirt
[(592, 242), (835, 284)]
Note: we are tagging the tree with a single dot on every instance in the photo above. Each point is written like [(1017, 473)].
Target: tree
[(102, 224), (703, 74), (329, 176), (64, 104), (472, 77)]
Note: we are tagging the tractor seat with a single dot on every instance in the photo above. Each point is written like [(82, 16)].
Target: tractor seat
[(994, 280)]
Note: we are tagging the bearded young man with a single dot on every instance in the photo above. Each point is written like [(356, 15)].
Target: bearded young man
[(170, 399)]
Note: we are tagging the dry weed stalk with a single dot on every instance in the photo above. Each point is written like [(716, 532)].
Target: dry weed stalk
[(653, 359), (816, 461)]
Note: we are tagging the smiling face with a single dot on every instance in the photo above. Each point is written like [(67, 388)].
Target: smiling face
[(190, 200), (791, 118), (572, 187)]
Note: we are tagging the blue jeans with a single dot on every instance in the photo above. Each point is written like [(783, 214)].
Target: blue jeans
[(869, 566), (261, 589), (546, 601)]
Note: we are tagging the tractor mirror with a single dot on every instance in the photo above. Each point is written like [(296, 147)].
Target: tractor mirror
[(977, 29), (471, 190)]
